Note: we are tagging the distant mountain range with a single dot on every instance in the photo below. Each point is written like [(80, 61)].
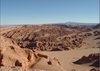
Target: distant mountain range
[(66, 24), (77, 25)]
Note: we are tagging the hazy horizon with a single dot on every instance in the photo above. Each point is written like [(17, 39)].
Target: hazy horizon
[(32, 12), (61, 23)]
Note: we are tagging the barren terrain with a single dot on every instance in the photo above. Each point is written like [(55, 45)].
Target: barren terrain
[(49, 48)]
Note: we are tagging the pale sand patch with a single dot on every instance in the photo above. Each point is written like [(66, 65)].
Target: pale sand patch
[(66, 58)]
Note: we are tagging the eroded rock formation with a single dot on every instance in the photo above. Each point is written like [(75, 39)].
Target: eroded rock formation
[(12, 55), (94, 59), (47, 37)]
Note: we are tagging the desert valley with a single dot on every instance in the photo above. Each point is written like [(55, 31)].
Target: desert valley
[(51, 47)]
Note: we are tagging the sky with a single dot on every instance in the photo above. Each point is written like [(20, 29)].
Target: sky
[(16, 12)]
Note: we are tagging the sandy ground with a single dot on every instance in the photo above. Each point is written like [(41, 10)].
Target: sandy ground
[(66, 58)]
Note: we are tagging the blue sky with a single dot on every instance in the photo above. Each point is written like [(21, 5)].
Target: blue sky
[(48, 11)]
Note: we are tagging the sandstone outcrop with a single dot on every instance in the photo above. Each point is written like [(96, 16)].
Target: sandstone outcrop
[(92, 59), (46, 37), (12, 55)]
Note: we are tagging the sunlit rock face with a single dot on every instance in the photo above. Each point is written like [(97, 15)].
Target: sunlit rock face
[(12, 55), (46, 37)]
